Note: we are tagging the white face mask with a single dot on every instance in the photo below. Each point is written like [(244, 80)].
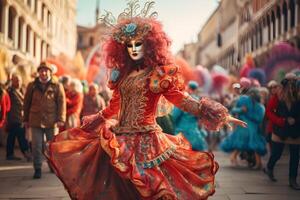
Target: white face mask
[(135, 49)]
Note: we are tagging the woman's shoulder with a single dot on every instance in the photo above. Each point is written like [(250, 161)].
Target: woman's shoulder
[(164, 76)]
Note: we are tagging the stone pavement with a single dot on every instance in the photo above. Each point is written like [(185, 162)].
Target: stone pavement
[(233, 183)]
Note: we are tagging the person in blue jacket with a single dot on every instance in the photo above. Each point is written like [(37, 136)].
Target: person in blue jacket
[(249, 109), (188, 124)]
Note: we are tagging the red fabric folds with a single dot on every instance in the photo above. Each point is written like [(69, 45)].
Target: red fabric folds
[(105, 165)]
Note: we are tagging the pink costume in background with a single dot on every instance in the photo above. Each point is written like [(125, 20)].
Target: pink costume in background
[(122, 153)]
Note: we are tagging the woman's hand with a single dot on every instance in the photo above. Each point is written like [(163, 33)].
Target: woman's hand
[(235, 122), (91, 122)]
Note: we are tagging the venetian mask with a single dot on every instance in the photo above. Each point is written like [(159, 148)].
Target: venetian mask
[(135, 49)]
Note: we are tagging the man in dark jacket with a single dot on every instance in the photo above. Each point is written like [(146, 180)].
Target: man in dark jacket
[(44, 110), (14, 125)]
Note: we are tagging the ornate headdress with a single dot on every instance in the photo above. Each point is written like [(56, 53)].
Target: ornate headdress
[(132, 30)]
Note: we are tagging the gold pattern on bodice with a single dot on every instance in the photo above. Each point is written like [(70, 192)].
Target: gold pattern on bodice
[(133, 101)]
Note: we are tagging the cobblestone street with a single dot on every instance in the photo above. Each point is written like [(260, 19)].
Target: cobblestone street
[(233, 183)]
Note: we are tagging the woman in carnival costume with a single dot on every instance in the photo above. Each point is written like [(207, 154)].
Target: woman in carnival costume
[(249, 109), (120, 152), (187, 123)]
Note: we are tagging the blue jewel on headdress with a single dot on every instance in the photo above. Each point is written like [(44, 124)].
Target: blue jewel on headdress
[(114, 75), (129, 29)]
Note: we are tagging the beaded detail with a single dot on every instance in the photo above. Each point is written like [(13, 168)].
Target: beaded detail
[(159, 159)]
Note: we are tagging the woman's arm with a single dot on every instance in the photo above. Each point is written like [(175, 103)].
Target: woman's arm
[(92, 121), (212, 114)]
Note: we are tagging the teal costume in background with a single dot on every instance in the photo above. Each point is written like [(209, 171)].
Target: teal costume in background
[(250, 138), (187, 124)]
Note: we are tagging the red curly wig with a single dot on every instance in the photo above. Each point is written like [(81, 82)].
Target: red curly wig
[(156, 47)]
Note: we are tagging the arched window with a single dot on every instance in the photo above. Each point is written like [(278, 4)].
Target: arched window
[(29, 3), (252, 40), (292, 4), (35, 6), (260, 30), (1, 9), (27, 39), (43, 14), (34, 44), (273, 19), (91, 41), (278, 15), (42, 50), (11, 22), (285, 15), (21, 24)]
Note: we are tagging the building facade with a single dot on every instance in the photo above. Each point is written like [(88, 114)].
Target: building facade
[(90, 38), (241, 27), (32, 30)]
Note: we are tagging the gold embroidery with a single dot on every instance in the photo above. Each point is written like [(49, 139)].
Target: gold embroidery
[(139, 129), (190, 105), (133, 96)]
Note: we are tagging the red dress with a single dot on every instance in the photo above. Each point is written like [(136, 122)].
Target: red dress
[(5, 105), (131, 158)]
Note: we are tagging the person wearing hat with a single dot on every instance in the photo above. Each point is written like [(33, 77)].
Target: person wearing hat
[(44, 111)]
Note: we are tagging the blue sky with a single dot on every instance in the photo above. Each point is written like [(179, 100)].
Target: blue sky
[(182, 19)]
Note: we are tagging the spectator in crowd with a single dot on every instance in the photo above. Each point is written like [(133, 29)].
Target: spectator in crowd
[(92, 102), (5, 105), (65, 81), (274, 89), (74, 98), (15, 126), (285, 115), (44, 110), (250, 110)]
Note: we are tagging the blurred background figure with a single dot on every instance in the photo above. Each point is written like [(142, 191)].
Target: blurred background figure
[(188, 124), (286, 126), (4, 109), (74, 99), (249, 109), (15, 126), (5, 105), (92, 102)]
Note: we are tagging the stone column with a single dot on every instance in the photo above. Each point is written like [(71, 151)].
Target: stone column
[(271, 32), (23, 37), (38, 49)]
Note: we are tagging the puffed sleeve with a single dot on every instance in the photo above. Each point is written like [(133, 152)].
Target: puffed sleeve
[(167, 81)]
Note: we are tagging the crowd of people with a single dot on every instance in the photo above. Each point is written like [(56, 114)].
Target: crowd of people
[(125, 146), (56, 104), (44, 107)]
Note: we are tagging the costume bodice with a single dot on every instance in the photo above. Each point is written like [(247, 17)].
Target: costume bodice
[(137, 103)]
